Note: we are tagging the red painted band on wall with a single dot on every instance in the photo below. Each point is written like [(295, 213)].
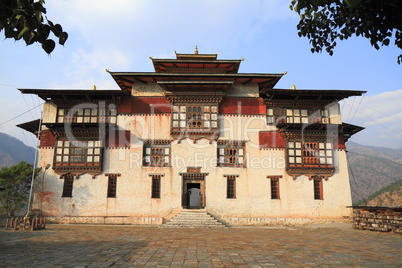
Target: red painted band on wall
[(144, 106), (242, 106), (271, 139)]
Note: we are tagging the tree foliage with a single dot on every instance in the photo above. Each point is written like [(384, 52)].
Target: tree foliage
[(324, 22), (25, 19), (15, 182)]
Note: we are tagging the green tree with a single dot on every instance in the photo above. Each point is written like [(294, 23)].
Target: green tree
[(15, 183), (324, 22), (25, 19)]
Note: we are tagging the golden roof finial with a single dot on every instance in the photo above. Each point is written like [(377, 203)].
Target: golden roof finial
[(196, 50)]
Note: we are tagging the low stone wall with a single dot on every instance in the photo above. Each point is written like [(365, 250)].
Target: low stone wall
[(261, 221), (107, 220), (383, 219)]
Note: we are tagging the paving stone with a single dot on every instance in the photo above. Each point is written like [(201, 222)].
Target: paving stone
[(130, 246)]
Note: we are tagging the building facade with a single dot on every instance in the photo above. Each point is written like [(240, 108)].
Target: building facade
[(195, 133)]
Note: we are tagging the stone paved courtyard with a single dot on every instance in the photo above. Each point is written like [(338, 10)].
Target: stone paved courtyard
[(130, 246)]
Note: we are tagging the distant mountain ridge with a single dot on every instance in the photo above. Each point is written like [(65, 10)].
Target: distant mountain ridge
[(371, 169), (13, 151)]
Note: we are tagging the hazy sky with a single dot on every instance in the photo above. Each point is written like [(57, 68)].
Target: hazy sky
[(121, 35)]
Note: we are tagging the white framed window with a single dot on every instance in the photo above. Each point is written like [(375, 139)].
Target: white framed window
[(194, 117), (310, 154)]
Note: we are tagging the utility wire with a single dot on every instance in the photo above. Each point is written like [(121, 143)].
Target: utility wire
[(20, 115), (399, 134), (357, 108)]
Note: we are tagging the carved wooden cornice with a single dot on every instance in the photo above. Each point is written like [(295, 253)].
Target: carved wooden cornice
[(81, 133), (71, 103), (297, 103), (213, 98), (194, 135), (231, 142), (187, 175), (274, 176), (323, 172), (157, 142), (320, 135), (76, 173)]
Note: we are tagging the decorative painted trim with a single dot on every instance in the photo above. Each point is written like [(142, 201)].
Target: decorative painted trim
[(156, 174), (324, 177), (274, 176), (231, 142), (243, 115), (117, 174), (206, 98), (297, 103), (325, 173), (157, 142), (46, 147), (193, 175), (230, 175)]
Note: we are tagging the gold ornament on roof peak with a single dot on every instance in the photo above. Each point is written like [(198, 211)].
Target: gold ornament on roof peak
[(196, 50)]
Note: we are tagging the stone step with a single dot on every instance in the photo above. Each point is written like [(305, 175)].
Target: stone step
[(193, 218)]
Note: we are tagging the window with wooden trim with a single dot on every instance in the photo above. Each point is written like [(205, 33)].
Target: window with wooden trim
[(297, 116), (194, 117), (274, 188), (68, 185), (111, 185), (87, 115), (156, 186), (310, 154), (231, 187), (88, 154), (230, 155), (156, 155), (318, 189), (277, 115)]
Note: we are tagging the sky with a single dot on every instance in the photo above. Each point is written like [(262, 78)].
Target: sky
[(122, 36)]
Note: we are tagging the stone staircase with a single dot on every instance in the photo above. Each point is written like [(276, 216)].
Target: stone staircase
[(193, 218)]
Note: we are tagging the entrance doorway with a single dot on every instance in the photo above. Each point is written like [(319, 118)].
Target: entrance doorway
[(193, 194)]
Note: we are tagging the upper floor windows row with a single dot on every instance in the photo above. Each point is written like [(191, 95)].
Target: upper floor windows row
[(297, 116), (86, 115)]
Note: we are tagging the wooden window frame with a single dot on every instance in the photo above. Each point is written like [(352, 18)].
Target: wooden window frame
[(112, 185), (230, 186), (231, 155), (275, 192), (186, 118), (87, 115), (67, 155), (310, 154), (318, 188), (156, 186), (276, 115), (154, 153), (68, 185)]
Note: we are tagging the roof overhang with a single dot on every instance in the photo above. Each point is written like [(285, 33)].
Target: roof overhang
[(126, 79), (349, 130), (196, 66), (308, 94), (195, 85), (75, 94), (31, 126)]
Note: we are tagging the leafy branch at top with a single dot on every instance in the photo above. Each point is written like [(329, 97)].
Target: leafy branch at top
[(324, 22), (25, 19)]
